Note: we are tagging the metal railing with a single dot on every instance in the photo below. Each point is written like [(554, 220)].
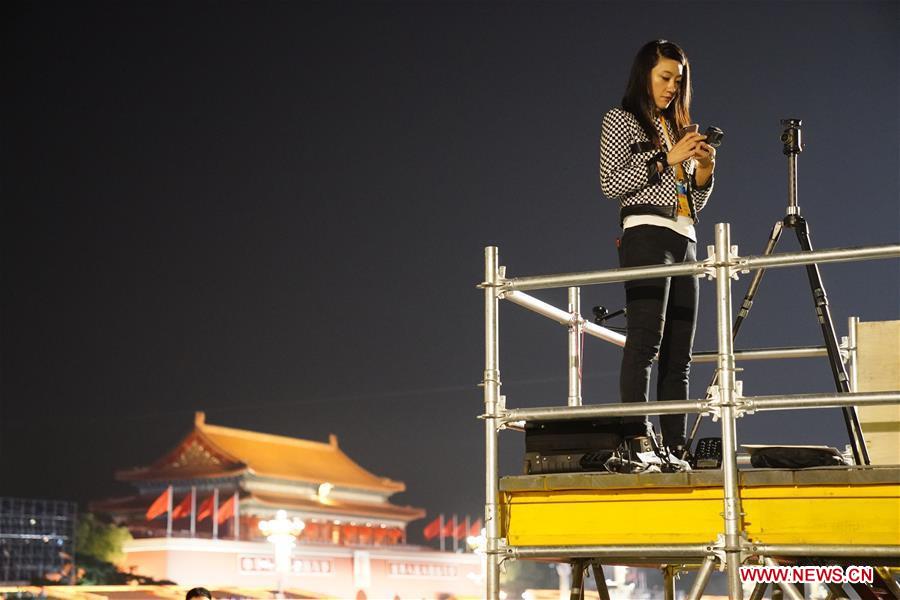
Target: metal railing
[(727, 403)]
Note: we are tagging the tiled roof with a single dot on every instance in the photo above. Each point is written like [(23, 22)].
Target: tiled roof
[(215, 451)]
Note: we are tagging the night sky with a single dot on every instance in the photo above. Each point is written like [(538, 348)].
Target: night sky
[(276, 213)]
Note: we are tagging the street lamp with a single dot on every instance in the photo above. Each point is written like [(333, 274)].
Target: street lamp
[(282, 533)]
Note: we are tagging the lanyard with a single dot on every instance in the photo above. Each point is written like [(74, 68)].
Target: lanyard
[(679, 170), (684, 208)]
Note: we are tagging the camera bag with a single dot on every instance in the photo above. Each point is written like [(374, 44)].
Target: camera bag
[(573, 445)]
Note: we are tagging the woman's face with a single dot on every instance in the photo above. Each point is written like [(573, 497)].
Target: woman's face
[(665, 79)]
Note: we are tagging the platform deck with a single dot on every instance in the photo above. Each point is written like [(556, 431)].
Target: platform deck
[(828, 505)]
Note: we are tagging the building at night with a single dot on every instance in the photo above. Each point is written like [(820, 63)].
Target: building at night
[(199, 512), (36, 539)]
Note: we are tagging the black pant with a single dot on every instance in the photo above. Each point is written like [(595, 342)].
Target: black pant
[(661, 314)]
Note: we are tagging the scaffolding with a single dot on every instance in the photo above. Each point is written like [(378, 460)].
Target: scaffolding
[(731, 547)]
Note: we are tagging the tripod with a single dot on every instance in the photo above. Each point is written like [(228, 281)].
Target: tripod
[(793, 220)]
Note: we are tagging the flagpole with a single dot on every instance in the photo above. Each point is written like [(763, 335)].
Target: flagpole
[(237, 518), (442, 531), (215, 514), (169, 513), (455, 541), (193, 510), (466, 536)]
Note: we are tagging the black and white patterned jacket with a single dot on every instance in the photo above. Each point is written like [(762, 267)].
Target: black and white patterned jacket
[(628, 172)]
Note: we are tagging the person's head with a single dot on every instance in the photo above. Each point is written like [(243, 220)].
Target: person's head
[(198, 593), (659, 83)]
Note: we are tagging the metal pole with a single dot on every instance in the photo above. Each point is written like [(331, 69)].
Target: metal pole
[(544, 282), (672, 407), (764, 354), (786, 259), (852, 364), (759, 591), (171, 491), (732, 515), (703, 574), (792, 259), (889, 581), (562, 317), (836, 592), (577, 590), (237, 515), (816, 550), (648, 551), (669, 582), (759, 403), (193, 510), (215, 514), (574, 346), (788, 588), (793, 208), (669, 407), (455, 539), (600, 579), (491, 385)]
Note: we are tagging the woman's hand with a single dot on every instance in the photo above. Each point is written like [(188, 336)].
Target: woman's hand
[(706, 156), (686, 148)]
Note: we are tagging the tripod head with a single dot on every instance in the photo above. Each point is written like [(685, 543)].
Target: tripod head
[(791, 136), (601, 314)]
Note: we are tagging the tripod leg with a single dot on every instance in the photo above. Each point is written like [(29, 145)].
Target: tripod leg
[(747, 303), (835, 591), (841, 381), (759, 591), (578, 567), (600, 577)]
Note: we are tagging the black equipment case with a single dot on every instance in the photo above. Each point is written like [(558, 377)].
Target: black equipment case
[(572, 445)]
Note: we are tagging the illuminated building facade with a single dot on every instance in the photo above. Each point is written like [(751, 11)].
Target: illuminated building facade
[(208, 496)]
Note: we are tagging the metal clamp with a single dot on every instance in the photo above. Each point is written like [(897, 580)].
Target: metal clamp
[(747, 407), (501, 546), (714, 404), (499, 411), (709, 265), (741, 406), (717, 549), (845, 349), (736, 264), (502, 284)]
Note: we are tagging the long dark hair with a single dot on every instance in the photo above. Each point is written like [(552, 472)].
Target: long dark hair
[(638, 97)]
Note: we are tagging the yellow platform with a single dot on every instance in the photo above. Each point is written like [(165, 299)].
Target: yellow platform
[(828, 505)]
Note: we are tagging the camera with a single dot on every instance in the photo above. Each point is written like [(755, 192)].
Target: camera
[(714, 136)]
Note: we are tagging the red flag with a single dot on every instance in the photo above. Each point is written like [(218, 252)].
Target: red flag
[(449, 526), (476, 528), (160, 506), (461, 531), (205, 509), (183, 509), (226, 510), (433, 529)]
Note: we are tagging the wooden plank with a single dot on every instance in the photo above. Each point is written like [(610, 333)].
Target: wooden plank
[(878, 370)]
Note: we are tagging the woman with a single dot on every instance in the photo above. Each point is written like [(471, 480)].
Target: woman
[(661, 172)]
